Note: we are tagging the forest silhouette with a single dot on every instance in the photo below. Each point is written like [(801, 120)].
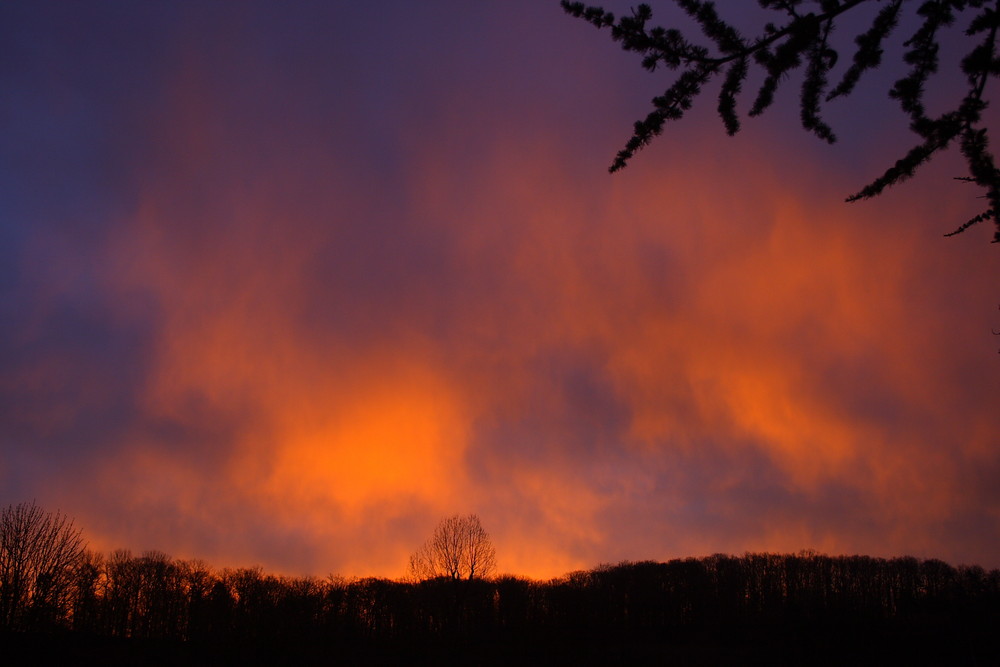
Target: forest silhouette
[(805, 608)]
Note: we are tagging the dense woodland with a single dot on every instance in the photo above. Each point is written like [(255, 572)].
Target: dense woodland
[(803, 608)]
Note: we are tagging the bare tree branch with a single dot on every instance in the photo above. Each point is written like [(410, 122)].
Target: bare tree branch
[(460, 548)]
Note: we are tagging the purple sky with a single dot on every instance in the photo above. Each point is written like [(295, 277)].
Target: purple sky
[(286, 283)]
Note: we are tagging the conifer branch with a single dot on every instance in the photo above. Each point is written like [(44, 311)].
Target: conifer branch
[(869, 53), (801, 40)]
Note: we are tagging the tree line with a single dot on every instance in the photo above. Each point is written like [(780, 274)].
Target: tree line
[(630, 611)]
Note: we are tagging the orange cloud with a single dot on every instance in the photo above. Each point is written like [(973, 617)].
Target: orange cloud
[(569, 359)]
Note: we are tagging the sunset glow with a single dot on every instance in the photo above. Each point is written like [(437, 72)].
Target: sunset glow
[(290, 285)]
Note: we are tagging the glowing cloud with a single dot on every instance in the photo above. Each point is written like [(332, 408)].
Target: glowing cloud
[(330, 327)]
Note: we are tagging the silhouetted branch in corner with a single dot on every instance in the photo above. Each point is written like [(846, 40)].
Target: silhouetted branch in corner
[(800, 38)]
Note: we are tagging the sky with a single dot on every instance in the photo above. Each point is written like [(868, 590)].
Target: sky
[(285, 284)]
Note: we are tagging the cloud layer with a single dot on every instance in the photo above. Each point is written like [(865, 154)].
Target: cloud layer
[(306, 311)]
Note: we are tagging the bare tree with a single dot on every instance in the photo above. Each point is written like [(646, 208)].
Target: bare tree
[(460, 548), (39, 553)]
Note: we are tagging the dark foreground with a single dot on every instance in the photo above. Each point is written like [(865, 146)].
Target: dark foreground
[(876, 647), (753, 609)]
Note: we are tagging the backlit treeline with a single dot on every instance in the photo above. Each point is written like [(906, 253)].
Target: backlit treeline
[(154, 596)]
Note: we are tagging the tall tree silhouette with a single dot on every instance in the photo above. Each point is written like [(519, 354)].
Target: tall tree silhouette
[(460, 548), (800, 37), (39, 552)]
